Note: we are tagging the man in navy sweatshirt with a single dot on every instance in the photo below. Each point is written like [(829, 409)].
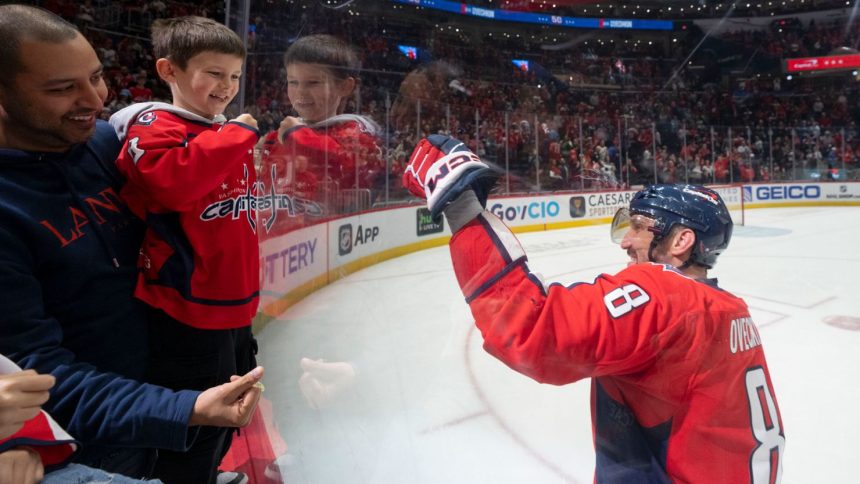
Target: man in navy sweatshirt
[(68, 248)]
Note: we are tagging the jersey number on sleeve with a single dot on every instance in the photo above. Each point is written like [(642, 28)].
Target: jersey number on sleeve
[(622, 300), (766, 459), (133, 150)]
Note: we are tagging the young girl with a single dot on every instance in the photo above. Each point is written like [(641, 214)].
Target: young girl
[(342, 149)]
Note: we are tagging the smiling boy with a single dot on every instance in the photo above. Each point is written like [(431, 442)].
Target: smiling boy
[(199, 263)]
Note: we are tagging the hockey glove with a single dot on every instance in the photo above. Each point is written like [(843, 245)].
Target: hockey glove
[(441, 168)]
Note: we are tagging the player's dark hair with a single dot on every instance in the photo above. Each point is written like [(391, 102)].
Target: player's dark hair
[(181, 38), (326, 50), (20, 23)]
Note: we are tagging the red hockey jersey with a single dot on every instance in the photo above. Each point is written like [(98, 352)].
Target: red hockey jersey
[(193, 182), (680, 387), (342, 148)]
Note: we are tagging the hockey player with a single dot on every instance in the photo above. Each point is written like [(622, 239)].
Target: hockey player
[(680, 386)]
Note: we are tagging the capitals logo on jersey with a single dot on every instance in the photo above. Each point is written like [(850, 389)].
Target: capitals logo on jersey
[(254, 199), (146, 118), (235, 207), (273, 202)]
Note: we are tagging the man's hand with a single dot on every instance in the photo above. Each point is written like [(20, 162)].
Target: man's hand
[(441, 168), (21, 465), (231, 404), (21, 396)]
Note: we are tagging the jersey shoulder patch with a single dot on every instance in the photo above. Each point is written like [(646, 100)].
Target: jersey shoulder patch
[(146, 118)]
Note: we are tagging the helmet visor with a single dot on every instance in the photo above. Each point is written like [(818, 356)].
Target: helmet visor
[(625, 222), (620, 225)]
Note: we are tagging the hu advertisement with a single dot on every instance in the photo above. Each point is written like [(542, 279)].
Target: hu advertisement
[(425, 224)]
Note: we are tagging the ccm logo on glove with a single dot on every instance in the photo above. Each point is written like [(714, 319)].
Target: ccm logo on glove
[(446, 165)]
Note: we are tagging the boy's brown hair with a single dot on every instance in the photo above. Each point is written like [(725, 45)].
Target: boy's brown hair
[(326, 50), (181, 38)]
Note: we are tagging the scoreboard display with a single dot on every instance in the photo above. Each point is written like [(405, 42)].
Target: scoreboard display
[(823, 63)]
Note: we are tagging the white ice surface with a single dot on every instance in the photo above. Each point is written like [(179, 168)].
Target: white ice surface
[(428, 405)]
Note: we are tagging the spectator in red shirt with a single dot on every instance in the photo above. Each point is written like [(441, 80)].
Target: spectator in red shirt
[(139, 92)]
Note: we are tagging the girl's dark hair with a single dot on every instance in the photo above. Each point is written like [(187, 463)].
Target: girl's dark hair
[(325, 50), (181, 38)]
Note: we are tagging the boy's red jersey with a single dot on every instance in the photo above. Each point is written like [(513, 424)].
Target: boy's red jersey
[(680, 387), (194, 184), (341, 148)]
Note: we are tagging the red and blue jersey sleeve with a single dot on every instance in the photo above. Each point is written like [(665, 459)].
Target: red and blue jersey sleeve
[(553, 334)]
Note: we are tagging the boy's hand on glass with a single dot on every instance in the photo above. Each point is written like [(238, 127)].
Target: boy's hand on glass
[(287, 124), (246, 119)]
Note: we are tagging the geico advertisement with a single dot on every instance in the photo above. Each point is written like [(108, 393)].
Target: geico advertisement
[(783, 193), (292, 259)]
